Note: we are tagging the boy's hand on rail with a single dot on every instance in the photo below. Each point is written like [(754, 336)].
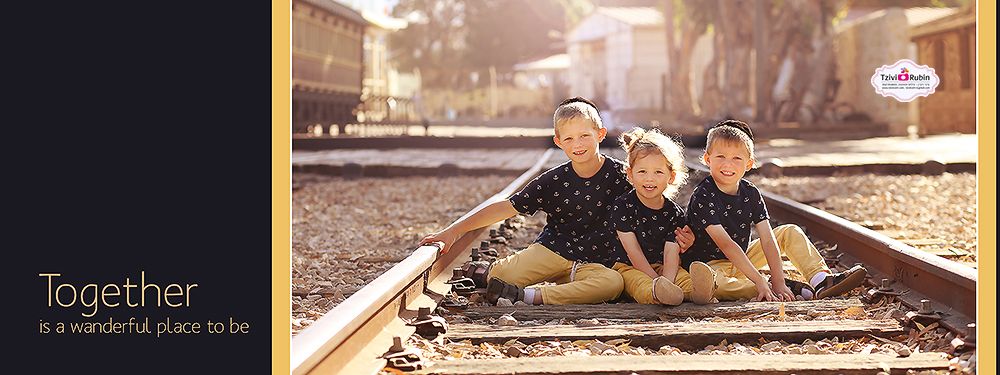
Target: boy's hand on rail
[(445, 236)]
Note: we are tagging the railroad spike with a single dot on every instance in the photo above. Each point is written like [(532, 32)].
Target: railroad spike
[(501, 240), (461, 284), (397, 345), (478, 270), (490, 254), (401, 358), (423, 313), (484, 252), (883, 291), (506, 224), (428, 326), (925, 315)]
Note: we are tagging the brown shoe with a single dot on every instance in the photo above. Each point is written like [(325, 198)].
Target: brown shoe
[(702, 283), (666, 293), (842, 282), (496, 288)]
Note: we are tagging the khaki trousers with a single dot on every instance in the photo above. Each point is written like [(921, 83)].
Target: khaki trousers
[(588, 283)]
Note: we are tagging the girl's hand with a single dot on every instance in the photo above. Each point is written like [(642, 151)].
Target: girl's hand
[(445, 236), (685, 238), (764, 293)]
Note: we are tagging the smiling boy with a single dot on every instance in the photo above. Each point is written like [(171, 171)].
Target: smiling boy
[(722, 211), (575, 249)]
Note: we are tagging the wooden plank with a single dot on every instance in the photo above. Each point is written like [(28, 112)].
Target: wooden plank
[(657, 312), (697, 364), (685, 336)]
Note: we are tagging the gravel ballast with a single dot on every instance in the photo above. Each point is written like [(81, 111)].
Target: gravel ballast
[(346, 233), (936, 214)]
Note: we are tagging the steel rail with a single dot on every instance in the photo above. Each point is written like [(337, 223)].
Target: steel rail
[(352, 336), (945, 282)]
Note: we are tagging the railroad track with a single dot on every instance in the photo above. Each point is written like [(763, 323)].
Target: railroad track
[(388, 324)]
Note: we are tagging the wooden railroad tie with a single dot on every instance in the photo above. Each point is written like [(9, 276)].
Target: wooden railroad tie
[(655, 312), (684, 336), (697, 364)]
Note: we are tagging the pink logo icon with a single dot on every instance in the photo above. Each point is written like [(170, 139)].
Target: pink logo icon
[(904, 75)]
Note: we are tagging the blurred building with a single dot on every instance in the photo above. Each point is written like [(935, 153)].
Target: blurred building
[(551, 73), (869, 39), (948, 45), (387, 95), (618, 58)]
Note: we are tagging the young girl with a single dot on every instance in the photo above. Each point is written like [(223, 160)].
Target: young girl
[(645, 219), (723, 209)]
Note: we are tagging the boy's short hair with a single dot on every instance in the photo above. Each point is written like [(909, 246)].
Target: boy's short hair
[(734, 131), (576, 107), (580, 99), (742, 126)]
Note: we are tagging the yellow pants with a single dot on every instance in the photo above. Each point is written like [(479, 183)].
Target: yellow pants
[(640, 286), (792, 242), (591, 283)]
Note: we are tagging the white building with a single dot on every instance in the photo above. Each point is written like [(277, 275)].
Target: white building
[(618, 58), (865, 43)]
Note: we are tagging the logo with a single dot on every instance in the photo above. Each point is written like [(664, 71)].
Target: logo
[(905, 80)]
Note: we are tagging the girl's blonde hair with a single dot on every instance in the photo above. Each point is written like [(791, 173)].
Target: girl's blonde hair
[(639, 143)]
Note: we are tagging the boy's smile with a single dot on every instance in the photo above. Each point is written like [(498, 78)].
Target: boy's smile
[(579, 139), (728, 161)]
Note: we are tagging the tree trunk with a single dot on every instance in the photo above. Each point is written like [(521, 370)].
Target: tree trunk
[(736, 27), (668, 81), (712, 99), (762, 65)]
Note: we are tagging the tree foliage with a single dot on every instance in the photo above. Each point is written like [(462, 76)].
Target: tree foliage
[(449, 39)]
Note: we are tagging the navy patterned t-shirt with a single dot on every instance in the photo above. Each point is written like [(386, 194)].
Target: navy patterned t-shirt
[(652, 228), (576, 225), (736, 213)]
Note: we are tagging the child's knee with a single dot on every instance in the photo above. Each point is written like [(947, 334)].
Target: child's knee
[(613, 284)]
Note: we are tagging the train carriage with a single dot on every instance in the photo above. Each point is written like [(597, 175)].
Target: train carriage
[(327, 66)]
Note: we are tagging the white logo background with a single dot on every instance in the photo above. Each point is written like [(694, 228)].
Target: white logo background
[(920, 80)]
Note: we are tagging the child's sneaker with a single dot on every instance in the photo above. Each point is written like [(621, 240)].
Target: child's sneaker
[(496, 288), (841, 282), (702, 283), (666, 293)]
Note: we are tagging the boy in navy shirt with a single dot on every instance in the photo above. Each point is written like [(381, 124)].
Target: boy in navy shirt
[(723, 209), (575, 248)]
